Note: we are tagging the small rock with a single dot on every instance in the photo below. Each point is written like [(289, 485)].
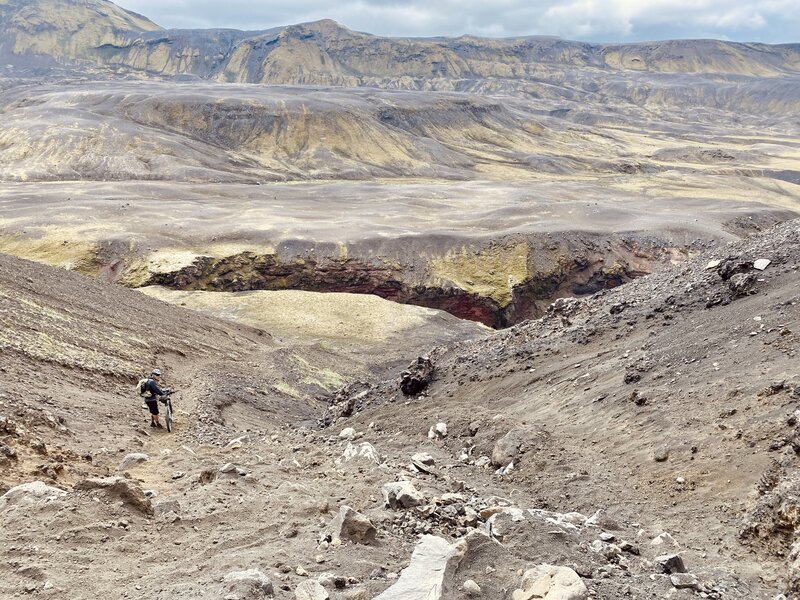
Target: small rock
[(132, 459), (661, 454), (617, 308), (629, 548), (227, 468), (167, 506), (238, 442), (250, 584), (607, 537), (505, 470), (742, 284), (451, 498), (438, 431), (549, 581), (350, 525), (669, 564), (347, 433), (632, 377), (471, 588), (401, 494), (761, 264), (363, 452), (664, 539), (422, 459), (684, 580)]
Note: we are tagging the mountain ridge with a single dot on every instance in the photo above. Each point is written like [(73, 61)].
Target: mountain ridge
[(326, 53)]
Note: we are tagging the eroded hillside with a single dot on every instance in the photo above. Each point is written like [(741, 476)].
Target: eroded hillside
[(667, 405)]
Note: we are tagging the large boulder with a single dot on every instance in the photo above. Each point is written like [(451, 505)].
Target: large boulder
[(430, 575), (352, 526), (251, 584), (124, 489), (549, 582), (30, 493), (417, 376), (401, 494), (509, 447)]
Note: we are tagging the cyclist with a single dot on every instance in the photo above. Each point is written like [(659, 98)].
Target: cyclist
[(150, 393)]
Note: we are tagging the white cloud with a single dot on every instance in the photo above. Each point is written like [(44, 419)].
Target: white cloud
[(595, 20)]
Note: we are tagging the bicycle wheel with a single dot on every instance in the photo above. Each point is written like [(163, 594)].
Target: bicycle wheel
[(169, 415)]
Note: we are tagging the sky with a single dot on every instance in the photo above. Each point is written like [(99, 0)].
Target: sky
[(770, 21)]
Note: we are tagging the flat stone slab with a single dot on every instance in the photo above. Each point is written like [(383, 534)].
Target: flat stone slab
[(430, 574)]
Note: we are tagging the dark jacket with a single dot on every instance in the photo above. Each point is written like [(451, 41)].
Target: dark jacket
[(151, 390)]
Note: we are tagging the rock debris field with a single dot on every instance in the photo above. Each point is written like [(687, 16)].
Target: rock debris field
[(639, 443)]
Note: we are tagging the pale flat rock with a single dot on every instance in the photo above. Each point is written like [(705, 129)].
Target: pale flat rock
[(684, 581), (124, 489), (429, 576), (423, 459), (166, 507), (761, 264), (251, 584), (664, 540), (30, 493), (133, 459), (471, 588), (310, 590), (550, 582)]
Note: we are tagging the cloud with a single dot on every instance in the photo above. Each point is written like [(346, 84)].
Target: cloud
[(773, 21)]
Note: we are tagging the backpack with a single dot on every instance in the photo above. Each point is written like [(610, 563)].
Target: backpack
[(140, 387)]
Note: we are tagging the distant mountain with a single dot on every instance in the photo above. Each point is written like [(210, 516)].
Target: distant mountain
[(63, 31), (66, 32)]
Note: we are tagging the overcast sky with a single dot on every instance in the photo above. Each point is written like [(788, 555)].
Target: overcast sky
[(772, 21)]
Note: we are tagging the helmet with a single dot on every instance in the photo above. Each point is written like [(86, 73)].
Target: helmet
[(155, 372)]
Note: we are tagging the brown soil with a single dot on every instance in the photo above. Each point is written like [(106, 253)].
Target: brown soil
[(72, 348)]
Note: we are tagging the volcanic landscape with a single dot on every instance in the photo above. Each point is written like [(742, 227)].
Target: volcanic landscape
[(447, 318)]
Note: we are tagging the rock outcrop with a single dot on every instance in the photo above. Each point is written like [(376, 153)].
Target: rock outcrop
[(430, 574)]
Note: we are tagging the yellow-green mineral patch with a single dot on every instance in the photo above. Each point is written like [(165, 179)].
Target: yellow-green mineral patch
[(349, 319), (490, 272), (58, 250)]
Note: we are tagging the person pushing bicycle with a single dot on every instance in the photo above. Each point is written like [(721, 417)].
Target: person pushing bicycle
[(150, 392)]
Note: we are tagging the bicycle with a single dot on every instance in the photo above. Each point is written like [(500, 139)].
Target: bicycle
[(167, 402)]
